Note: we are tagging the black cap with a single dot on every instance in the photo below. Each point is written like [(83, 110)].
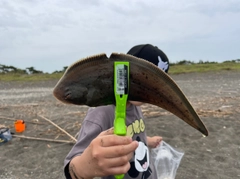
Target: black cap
[(152, 54)]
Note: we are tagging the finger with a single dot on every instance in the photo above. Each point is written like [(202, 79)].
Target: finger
[(119, 161), (113, 168), (159, 138), (120, 169), (111, 140), (107, 132), (120, 150)]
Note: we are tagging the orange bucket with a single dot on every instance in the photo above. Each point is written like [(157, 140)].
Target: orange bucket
[(19, 125)]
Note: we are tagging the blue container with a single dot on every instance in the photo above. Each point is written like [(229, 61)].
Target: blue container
[(5, 135)]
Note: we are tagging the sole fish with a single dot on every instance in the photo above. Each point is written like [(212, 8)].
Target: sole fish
[(90, 82)]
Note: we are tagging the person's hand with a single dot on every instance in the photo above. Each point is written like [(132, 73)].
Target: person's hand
[(108, 154), (153, 142)]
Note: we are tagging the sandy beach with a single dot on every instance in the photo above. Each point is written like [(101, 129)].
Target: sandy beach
[(215, 96)]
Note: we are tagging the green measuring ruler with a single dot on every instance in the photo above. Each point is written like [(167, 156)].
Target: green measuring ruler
[(121, 88)]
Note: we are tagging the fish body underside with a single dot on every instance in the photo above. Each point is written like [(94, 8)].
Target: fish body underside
[(90, 82)]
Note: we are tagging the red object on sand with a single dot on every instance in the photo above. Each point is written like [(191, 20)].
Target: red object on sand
[(19, 125)]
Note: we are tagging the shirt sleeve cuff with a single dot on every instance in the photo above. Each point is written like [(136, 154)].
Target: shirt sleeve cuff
[(66, 172)]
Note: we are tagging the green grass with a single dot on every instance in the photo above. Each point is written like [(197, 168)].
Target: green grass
[(174, 69), (205, 67)]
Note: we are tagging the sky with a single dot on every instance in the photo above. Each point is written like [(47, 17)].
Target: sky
[(51, 34)]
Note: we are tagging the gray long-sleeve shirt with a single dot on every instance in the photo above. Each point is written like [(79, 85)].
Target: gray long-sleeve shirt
[(101, 118)]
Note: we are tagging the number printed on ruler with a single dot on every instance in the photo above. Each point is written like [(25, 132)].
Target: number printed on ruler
[(121, 79)]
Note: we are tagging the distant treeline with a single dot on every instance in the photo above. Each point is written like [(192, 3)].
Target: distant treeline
[(30, 70), (4, 69), (187, 62)]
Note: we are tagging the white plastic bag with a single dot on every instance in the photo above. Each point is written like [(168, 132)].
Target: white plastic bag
[(166, 160)]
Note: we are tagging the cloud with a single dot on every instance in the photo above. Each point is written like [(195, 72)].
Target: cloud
[(60, 32)]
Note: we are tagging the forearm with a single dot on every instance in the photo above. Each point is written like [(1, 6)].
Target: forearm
[(77, 168)]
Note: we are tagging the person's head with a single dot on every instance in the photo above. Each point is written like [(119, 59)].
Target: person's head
[(152, 54)]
